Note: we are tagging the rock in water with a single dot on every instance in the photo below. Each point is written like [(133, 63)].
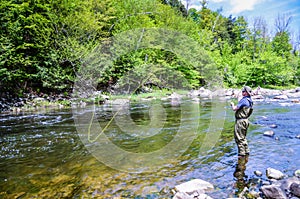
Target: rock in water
[(295, 189), (273, 192), (258, 173), (269, 133), (274, 174), (194, 186), (194, 189), (273, 126), (297, 173)]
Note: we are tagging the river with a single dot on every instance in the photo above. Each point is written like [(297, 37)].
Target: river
[(49, 154)]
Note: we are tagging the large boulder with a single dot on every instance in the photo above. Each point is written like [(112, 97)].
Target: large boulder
[(286, 183), (273, 192), (295, 189)]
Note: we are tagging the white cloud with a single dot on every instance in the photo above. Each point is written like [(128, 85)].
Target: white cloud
[(192, 4), (236, 6), (243, 5), (217, 1)]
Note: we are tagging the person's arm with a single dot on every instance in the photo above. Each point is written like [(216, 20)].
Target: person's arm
[(234, 108)]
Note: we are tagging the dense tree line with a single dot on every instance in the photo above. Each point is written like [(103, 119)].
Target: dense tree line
[(44, 43)]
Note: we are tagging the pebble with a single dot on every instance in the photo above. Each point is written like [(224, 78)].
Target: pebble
[(297, 173), (273, 126), (258, 173)]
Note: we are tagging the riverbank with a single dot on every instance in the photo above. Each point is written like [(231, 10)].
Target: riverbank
[(33, 101)]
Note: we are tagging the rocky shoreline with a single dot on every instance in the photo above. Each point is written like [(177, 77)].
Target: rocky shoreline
[(32, 101), (277, 185)]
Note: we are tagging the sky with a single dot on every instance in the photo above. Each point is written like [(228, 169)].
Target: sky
[(251, 9)]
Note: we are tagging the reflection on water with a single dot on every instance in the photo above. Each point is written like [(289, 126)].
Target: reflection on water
[(42, 155), (239, 173)]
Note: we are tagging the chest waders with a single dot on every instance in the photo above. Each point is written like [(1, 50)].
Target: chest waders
[(240, 129)]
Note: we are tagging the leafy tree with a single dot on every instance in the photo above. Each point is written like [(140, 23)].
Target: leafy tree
[(281, 44), (177, 5), (26, 41), (43, 42)]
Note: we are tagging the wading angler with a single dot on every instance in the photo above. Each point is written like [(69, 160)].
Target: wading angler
[(243, 110)]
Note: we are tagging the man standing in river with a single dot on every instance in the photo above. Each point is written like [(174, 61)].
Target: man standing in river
[(242, 112)]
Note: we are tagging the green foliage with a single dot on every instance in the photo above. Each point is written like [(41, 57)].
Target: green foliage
[(42, 42), (176, 4), (281, 44), (159, 68), (25, 41), (43, 45)]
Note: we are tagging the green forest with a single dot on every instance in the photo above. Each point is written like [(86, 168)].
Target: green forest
[(44, 44)]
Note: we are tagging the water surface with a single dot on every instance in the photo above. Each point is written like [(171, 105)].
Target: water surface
[(43, 155)]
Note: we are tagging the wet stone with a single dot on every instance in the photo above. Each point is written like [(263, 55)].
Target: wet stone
[(258, 173), (272, 191), (193, 186), (295, 189), (274, 174), (297, 173), (193, 189), (286, 183), (273, 126), (269, 133)]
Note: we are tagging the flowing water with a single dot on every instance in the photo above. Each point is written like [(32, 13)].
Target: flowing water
[(44, 155)]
